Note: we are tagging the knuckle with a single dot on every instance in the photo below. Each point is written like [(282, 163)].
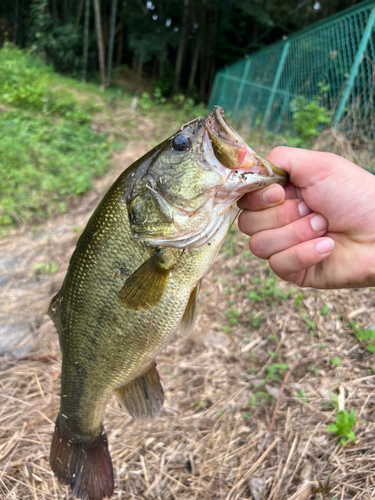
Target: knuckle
[(258, 246), (298, 258), (281, 216), (246, 223)]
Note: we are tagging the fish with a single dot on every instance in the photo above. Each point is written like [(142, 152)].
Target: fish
[(133, 281)]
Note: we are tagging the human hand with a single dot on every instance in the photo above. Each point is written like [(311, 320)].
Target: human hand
[(319, 230)]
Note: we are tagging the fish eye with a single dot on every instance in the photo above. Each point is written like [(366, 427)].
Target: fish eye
[(181, 142)]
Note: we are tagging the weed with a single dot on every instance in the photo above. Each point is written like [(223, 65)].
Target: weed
[(314, 369), (302, 395), (269, 291), (310, 324), (260, 397), (274, 371), (274, 355), (247, 416), (226, 329), (255, 297), (343, 427), (233, 316), (324, 311), (46, 267), (335, 361), (333, 400), (298, 300), (256, 320), (363, 335), (199, 403), (229, 244)]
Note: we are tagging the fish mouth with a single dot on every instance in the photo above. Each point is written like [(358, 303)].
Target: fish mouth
[(234, 154)]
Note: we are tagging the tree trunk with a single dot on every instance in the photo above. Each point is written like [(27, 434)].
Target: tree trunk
[(99, 36), (15, 21), (65, 11), (182, 44), (140, 65), (119, 45), (55, 12), (111, 41), (211, 72), (79, 12), (86, 39), (194, 64)]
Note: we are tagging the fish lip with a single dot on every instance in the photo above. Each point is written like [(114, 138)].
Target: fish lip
[(224, 138), (219, 116)]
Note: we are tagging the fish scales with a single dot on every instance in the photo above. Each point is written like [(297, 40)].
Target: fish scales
[(134, 278)]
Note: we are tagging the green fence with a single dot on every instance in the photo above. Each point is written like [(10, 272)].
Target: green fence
[(338, 52)]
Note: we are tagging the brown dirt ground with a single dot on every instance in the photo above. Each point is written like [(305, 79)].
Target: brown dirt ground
[(229, 430)]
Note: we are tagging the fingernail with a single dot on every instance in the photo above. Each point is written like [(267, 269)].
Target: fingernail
[(325, 246), (318, 223), (303, 209), (271, 196)]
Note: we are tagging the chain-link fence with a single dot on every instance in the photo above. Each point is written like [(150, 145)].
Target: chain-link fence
[(336, 55)]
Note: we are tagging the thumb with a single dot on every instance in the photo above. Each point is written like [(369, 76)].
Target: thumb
[(306, 167)]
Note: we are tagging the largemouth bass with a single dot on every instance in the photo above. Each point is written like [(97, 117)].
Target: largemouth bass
[(134, 279)]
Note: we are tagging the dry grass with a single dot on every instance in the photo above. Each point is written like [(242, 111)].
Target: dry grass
[(226, 432)]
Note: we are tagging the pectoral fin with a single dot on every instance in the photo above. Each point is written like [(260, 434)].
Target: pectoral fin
[(143, 397), (145, 287), (190, 315), (52, 309)]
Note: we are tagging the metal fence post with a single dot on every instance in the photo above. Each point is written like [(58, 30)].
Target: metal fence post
[(213, 91), (354, 70), (275, 84), (242, 86), (223, 86)]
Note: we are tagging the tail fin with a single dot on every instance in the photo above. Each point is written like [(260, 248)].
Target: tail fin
[(82, 462)]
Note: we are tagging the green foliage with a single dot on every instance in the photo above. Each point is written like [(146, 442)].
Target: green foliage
[(40, 24), (335, 361), (46, 267), (229, 244), (41, 164), (233, 316), (324, 311), (301, 394), (363, 335), (298, 300), (256, 320), (343, 427), (268, 291), (26, 82), (48, 148), (260, 397), (314, 369), (310, 324), (308, 117), (274, 371)]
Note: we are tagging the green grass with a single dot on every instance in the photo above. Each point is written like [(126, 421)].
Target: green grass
[(48, 147), (41, 164)]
